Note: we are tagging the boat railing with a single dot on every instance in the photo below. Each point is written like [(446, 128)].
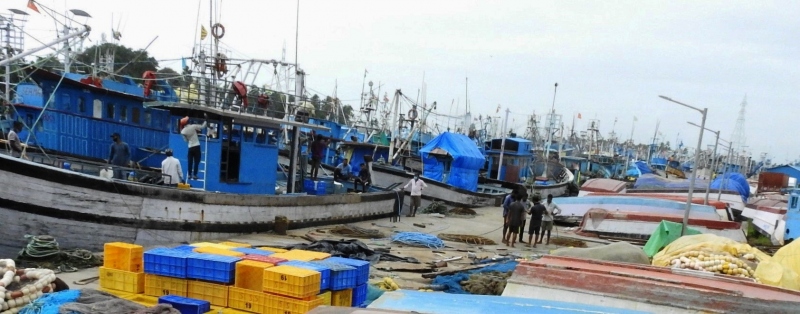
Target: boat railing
[(95, 168)]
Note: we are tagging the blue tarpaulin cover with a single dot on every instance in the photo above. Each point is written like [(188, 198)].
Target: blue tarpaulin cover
[(467, 160), (643, 167), (733, 181), (652, 181)]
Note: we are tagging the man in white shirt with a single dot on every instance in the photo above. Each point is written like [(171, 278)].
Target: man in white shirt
[(13, 139), (189, 133), (551, 210), (417, 185), (171, 168)]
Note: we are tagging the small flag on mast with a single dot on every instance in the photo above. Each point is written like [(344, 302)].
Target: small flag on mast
[(579, 115), (32, 6), (203, 32)]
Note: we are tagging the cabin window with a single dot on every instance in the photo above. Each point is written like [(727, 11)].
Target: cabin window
[(123, 113), (261, 136), (109, 111), (147, 118), (81, 105), (65, 102), (98, 109), (213, 130), (135, 115), (247, 133), (794, 203), (230, 154)]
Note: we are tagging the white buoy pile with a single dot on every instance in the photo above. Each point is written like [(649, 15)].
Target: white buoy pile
[(33, 283), (716, 263)]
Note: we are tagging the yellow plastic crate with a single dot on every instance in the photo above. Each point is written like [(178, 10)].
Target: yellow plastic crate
[(160, 286), (326, 298), (209, 244), (272, 249), (215, 293), (246, 300), (236, 244), (342, 297), (291, 281), (118, 293), (276, 304), (217, 251), (121, 280), (312, 254), (123, 256), (293, 256), (250, 275), (142, 299)]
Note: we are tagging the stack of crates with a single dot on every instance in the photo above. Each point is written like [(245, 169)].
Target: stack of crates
[(166, 272), (122, 269), (358, 294), (291, 289)]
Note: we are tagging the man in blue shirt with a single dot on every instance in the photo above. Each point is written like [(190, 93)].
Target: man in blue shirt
[(342, 171), (506, 202), (120, 156)]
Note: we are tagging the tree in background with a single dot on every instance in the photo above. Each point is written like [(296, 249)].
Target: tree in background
[(127, 61), (173, 78)]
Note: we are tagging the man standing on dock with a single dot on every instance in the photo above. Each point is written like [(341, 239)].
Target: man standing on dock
[(189, 133), (417, 185), (120, 156), (536, 212), (547, 219)]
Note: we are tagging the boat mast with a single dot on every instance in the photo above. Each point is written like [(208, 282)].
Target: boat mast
[(549, 132), (502, 144), (395, 129)]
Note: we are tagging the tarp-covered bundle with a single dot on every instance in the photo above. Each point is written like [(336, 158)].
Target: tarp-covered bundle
[(652, 181), (733, 181), (643, 168), (465, 160)]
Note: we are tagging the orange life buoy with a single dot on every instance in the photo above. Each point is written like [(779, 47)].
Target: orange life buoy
[(92, 80), (241, 91), (149, 78), (218, 31)]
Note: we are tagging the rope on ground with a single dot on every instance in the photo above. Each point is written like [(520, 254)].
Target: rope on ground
[(357, 232), (469, 239), (44, 251), (418, 239)]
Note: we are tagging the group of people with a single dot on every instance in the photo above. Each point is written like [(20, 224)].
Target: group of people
[(515, 214), (344, 171)]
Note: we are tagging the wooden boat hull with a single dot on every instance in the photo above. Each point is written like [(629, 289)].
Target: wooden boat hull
[(86, 211), (645, 288), (573, 209), (637, 227)]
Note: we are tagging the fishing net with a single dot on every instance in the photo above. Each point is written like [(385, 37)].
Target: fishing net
[(465, 238), (44, 252), (452, 283), (357, 232), (487, 283), (50, 303), (614, 252), (97, 302), (435, 208)]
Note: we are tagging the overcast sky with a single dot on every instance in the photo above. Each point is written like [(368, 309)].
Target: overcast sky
[(611, 59)]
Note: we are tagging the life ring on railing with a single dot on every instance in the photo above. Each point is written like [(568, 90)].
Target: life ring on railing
[(149, 79), (241, 91), (218, 31), (412, 114), (220, 64)]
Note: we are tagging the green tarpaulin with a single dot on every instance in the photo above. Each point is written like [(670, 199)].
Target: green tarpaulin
[(666, 232)]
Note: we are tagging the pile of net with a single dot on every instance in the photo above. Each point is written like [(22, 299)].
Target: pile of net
[(357, 232), (614, 252), (712, 253), (435, 208), (89, 301), (486, 283), (465, 238), (44, 252), (453, 283), (418, 239), (463, 211)]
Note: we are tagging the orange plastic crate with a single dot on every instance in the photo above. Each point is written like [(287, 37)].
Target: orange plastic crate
[(217, 251), (276, 304), (250, 275), (272, 249), (236, 244), (326, 298), (246, 300), (342, 297), (216, 294), (123, 256), (312, 254), (157, 286), (121, 280), (292, 281)]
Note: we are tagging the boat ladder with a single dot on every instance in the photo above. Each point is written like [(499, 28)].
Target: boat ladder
[(201, 170)]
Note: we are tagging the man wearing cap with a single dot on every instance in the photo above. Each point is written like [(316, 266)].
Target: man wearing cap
[(189, 133), (171, 170), (120, 156)]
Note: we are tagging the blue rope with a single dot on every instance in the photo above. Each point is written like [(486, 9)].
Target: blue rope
[(418, 239), (50, 303)]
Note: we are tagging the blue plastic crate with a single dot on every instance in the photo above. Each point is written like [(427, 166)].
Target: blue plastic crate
[(166, 262), (342, 276), (359, 295), (249, 251), (361, 266), (325, 272), (216, 268), (186, 305), (185, 247)]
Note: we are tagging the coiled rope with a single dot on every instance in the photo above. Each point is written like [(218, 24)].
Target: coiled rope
[(418, 239), (46, 247)]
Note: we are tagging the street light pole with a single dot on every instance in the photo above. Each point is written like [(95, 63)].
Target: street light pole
[(716, 142), (703, 111), (549, 133)]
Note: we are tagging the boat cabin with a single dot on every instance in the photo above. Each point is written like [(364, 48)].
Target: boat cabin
[(454, 159), (517, 158)]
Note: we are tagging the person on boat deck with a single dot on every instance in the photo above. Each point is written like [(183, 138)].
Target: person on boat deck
[(514, 219), (13, 139), (417, 185), (189, 133), (343, 170), (536, 213), (317, 152), (120, 156), (363, 178), (547, 219), (171, 169)]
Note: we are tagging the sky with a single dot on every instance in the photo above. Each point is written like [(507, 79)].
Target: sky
[(611, 59)]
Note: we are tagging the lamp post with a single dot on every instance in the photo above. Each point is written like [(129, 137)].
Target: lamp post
[(724, 168), (703, 111), (716, 142)]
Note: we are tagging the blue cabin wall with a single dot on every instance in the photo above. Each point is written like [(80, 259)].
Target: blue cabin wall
[(793, 216), (79, 122), (517, 152)]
